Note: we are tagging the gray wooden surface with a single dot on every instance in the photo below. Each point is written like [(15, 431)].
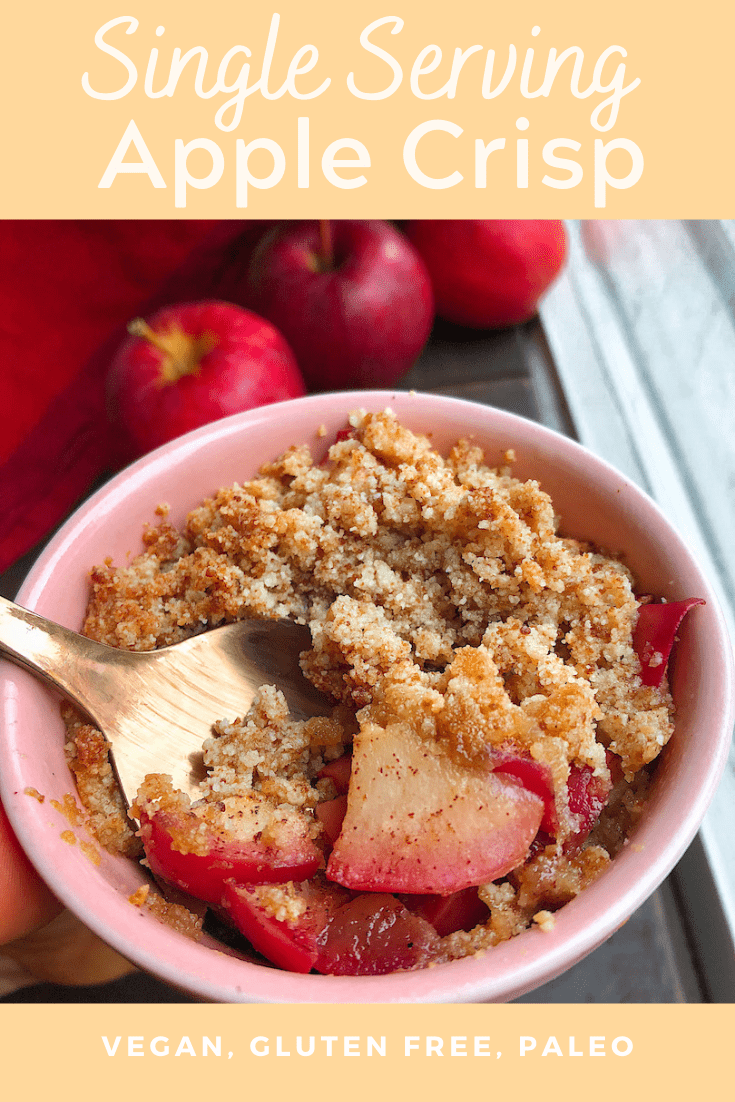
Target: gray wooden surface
[(641, 335)]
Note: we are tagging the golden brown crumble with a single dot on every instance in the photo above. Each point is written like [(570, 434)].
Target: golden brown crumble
[(175, 915), (545, 920), (138, 898), (440, 596), (91, 852), (69, 808), (86, 753)]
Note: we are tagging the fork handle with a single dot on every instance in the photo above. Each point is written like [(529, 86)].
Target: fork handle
[(78, 667)]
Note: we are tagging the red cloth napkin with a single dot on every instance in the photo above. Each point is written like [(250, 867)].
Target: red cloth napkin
[(67, 290)]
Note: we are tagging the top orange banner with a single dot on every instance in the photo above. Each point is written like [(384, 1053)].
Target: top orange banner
[(416, 109)]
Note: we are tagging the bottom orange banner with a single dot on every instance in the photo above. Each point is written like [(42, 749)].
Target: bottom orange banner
[(549, 1052)]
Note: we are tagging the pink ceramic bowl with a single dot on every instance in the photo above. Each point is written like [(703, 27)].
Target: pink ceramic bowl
[(595, 502)]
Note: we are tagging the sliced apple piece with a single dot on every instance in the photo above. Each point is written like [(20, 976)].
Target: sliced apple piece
[(245, 839), (588, 793), (372, 935), (449, 913), (536, 777), (284, 922), (655, 634), (338, 772), (331, 814), (420, 821)]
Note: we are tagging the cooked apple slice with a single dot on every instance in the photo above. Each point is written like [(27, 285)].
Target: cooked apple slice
[(449, 913), (331, 814), (536, 777), (419, 821), (372, 935), (338, 771), (284, 921), (655, 635), (241, 838), (588, 793)]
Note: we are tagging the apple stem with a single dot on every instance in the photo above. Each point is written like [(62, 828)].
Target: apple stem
[(325, 233), (139, 327), (182, 352)]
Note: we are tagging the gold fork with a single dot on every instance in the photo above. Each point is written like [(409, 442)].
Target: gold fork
[(156, 708)]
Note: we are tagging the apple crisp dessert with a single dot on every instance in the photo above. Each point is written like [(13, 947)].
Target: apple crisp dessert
[(492, 727)]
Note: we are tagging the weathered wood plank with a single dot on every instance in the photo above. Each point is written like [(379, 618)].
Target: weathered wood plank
[(642, 333)]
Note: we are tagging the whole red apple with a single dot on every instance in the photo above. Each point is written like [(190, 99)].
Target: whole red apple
[(354, 303), (193, 363), (490, 274)]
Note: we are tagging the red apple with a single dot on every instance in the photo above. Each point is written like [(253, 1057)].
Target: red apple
[(356, 309), (193, 363), (489, 274), (419, 821)]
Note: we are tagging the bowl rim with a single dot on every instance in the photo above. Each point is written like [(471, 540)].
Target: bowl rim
[(576, 933)]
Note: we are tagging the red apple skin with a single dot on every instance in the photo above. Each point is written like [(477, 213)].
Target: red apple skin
[(291, 945), (588, 795), (449, 913), (331, 814), (489, 274), (655, 634), (338, 772), (536, 777), (373, 935), (361, 323), (246, 861), (250, 365)]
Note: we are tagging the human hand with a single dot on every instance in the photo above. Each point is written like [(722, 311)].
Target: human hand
[(45, 941)]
